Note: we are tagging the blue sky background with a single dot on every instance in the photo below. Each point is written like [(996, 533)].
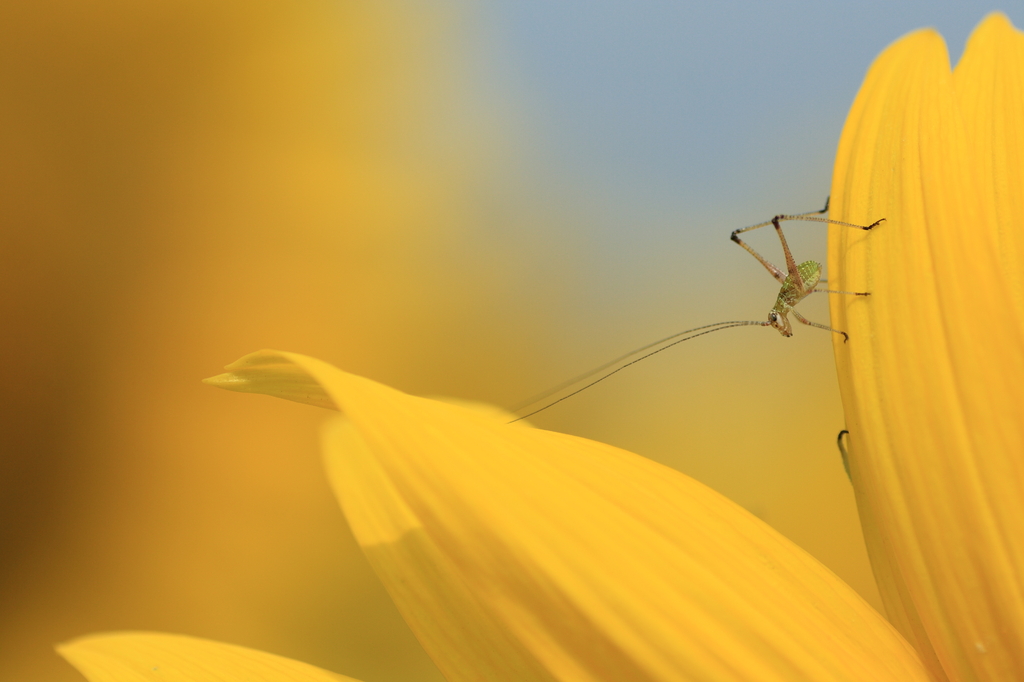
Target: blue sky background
[(662, 106)]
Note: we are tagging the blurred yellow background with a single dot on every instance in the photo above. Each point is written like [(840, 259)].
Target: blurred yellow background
[(184, 183)]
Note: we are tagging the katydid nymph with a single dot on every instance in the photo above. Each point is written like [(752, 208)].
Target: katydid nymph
[(798, 282)]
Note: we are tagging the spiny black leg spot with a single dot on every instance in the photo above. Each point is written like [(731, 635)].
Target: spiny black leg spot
[(735, 237), (846, 337), (875, 224), (863, 293), (827, 199)]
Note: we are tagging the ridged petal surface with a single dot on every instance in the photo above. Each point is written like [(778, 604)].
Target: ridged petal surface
[(932, 378)]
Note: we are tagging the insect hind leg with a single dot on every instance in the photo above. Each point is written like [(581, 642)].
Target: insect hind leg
[(775, 271)]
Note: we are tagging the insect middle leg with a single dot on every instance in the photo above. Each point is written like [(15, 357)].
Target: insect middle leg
[(837, 291)]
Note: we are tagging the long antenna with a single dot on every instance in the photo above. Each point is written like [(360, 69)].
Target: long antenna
[(611, 363), (687, 335)]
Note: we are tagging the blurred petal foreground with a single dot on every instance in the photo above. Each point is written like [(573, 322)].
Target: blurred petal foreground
[(520, 554)]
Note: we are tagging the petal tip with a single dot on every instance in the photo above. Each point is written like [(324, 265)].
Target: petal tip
[(221, 380), (996, 26), (274, 373)]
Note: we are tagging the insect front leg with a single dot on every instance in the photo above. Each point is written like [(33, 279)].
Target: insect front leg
[(804, 320)]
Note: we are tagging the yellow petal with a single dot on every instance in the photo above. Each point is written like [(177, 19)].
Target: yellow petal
[(932, 378), (156, 657), (520, 554), (989, 83)]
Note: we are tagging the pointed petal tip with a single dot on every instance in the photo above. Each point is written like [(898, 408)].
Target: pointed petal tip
[(225, 380), (273, 373), (996, 18), (232, 380), (927, 35), (996, 26)]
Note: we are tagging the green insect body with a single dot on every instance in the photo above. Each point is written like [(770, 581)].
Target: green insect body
[(794, 290)]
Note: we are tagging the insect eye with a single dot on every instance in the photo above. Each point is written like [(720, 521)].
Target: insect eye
[(772, 317)]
